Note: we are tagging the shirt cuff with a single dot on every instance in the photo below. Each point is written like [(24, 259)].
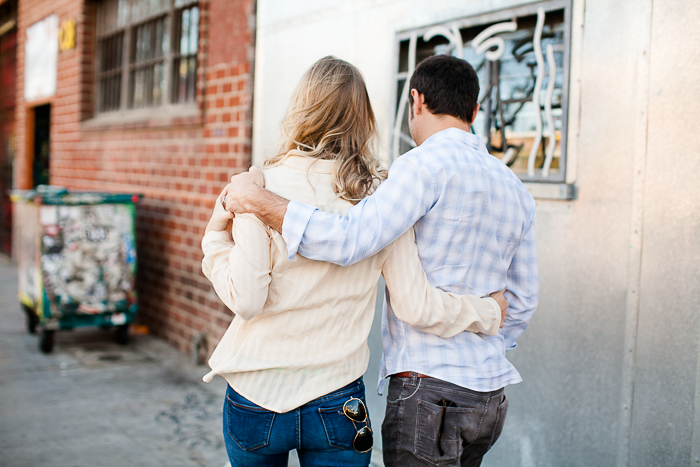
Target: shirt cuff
[(294, 224)]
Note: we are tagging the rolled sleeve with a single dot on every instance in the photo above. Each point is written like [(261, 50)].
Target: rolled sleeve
[(239, 266), (215, 244), (295, 221)]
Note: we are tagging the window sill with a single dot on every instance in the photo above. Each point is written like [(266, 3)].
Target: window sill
[(166, 116), (555, 191)]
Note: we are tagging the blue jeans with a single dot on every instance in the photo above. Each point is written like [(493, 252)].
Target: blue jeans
[(318, 430)]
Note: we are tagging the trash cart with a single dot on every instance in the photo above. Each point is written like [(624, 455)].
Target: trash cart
[(77, 260)]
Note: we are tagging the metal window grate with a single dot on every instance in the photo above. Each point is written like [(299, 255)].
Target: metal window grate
[(147, 53), (521, 56)]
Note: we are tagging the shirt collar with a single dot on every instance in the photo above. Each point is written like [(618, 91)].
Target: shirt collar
[(467, 138)]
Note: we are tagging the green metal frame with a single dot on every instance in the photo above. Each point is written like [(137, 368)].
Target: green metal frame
[(124, 313)]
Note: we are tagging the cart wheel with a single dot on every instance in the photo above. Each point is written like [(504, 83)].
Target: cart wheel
[(32, 319), (121, 335), (46, 341)]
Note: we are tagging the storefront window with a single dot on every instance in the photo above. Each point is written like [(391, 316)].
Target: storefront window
[(521, 56), (147, 53)]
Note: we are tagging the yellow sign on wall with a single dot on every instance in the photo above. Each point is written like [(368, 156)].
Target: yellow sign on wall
[(66, 35)]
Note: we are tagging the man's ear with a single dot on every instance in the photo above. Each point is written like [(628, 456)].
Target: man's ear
[(476, 112), (418, 101)]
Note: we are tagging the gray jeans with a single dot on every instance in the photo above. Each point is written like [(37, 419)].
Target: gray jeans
[(472, 423)]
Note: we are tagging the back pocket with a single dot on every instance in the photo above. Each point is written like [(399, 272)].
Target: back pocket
[(250, 427), (339, 429), (427, 426)]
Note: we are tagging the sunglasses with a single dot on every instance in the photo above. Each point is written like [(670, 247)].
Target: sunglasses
[(445, 404), (356, 411)]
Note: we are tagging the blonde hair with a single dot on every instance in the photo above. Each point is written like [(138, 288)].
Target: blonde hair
[(330, 117)]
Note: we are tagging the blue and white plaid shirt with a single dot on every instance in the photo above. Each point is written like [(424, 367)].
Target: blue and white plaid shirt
[(474, 230)]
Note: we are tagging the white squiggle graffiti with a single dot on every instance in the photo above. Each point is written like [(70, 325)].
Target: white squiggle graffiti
[(452, 34), (537, 45), (482, 43), (403, 102), (508, 155), (552, 65)]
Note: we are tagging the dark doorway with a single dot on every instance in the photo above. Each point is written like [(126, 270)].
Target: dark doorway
[(42, 147)]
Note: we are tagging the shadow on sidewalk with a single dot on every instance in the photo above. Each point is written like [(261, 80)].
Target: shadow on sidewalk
[(92, 402)]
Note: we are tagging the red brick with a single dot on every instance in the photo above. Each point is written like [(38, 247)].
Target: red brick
[(164, 159)]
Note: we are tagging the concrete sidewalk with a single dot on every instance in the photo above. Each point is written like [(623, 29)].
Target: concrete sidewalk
[(95, 403)]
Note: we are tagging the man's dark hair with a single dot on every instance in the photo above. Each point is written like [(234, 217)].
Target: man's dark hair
[(449, 86)]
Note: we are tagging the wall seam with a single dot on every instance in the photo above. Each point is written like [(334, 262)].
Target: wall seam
[(634, 268), (695, 439), (578, 15)]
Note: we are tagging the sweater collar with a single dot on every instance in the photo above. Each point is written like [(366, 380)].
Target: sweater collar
[(309, 163)]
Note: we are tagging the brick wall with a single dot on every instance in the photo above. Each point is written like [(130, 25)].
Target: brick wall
[(180, 163), (8, 78)]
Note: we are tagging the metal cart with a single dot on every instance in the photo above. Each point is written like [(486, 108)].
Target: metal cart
[(77, 260)]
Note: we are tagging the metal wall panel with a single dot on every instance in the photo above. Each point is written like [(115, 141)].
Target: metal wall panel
[(568, 411), (610, 360), (667, 346)]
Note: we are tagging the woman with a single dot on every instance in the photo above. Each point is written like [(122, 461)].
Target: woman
[(295, 353)]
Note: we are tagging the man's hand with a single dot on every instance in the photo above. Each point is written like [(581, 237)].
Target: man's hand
[(220, 217), (246, 193), (241, 187), (502, 302)]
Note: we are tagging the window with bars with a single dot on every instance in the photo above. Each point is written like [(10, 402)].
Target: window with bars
[(147, 53), (521, 56)]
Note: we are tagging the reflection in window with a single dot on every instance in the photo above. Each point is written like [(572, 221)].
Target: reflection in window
[(186, 63), (522, 64), (150, 48), (147, 53)]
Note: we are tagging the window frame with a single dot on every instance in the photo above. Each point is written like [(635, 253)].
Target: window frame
[(563, 191), (129, 65)]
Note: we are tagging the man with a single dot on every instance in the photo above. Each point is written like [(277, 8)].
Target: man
[(475, 234)]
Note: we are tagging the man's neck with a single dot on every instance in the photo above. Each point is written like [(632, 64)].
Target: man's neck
[(436, 124)]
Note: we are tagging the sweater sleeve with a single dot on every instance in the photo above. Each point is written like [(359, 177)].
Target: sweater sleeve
[(430, 309), (239, 266)]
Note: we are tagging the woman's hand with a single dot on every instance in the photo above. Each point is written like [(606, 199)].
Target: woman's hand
[(220, 217)]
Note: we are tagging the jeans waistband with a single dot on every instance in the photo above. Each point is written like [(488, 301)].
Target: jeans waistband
[(434, 382), (347, 389)]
